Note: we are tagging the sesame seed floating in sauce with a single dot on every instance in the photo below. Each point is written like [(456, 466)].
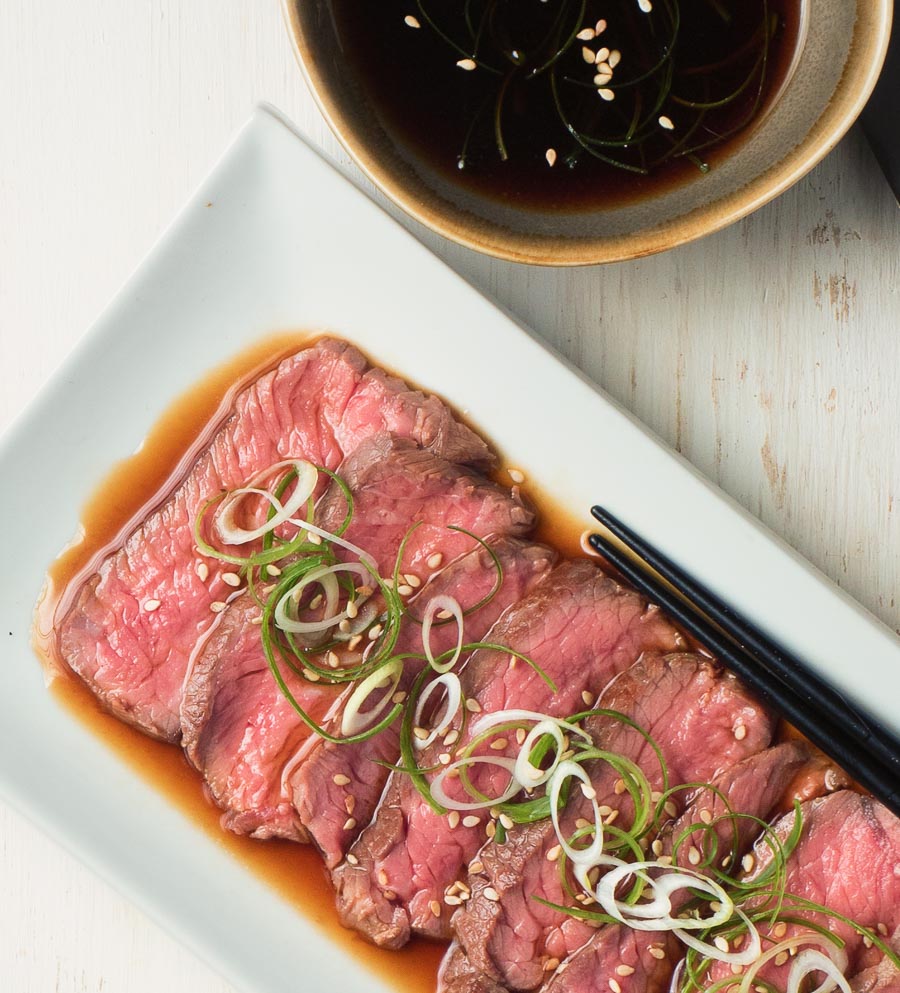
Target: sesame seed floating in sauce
[(231, 579), (587, 55), (435, 560), (411, 22), (666, 122), (645, 5), (586, 34), (202, 571), (217, 606), (467, 64), (615, 57), (606, 94), (517, 476), (550, 156), (151, 605)]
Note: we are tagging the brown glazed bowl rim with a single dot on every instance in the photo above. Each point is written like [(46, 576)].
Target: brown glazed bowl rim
[(867, 51)]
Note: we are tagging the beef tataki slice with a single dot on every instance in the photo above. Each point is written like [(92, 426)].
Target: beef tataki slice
[(701, 718), (318, 405), (581, 628), (756, 786), (846, 860), (238, 730), (335, 781)]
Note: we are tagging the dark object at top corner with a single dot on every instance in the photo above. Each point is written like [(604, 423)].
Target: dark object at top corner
[(881, 116)]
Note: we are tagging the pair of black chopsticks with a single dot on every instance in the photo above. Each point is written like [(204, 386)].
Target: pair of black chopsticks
[(857, 742)]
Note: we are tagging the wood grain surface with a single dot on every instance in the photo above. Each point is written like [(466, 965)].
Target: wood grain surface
[(767, 354)]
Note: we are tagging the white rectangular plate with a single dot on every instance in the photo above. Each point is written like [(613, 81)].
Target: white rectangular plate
[(277, 240)]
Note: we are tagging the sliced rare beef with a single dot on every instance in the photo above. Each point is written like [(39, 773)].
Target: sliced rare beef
[(756, 786), (847, 859), (337, 787), (129, 629), (581, 628), (238, 729), (702, 720)]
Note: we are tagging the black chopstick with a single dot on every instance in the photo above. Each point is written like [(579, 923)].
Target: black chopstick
[(781, 664), (848, 742)]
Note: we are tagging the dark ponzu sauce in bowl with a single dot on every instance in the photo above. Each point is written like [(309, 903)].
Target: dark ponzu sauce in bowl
[(567, 103)]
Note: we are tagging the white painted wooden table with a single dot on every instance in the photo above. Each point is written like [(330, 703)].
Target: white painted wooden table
[(768, 354)]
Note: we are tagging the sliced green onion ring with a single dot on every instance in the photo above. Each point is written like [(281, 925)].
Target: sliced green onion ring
[(439, 795), (326, 578), (228, 528), (438, 603), (355, 719), (450, 682)]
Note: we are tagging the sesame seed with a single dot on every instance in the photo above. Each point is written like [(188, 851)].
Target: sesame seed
[(619, 787), (694, 855), (614, 986), (442, 615), (375, 632), (151, 605), (601, 56), (781, 958), (435, 560), (882, 929), (747, 862), (399, 696), (273, 570), (202, 570), (612, 817), (587, 54), (740, 732), (467, 64), (586, 34), (615, 57), (411, 22), (499, 744), (388, 582), (506, 821), (364, 591), (588, 698), (521, 736), (340, 779), (736, 970), (389, 895), (313, 538), (473, 706), (657, 847), (489, 893), (444, 758), (382, 877), (471, 821), (404, 590), (551, 965), (721, 943), (349, 803), (354, 642), (217, 606), (715, 906), (589, 792), (316, 602), (657, 952), (453, 819), (476, 867), (344, 626), (420, 733), (867, 941), (352, 859), (256, 620), (550, 156), (670, 808), (583, 822), (517, 476), (706, 816), (313, 677), (665, 860), (412, 580), (645, 5), (624, 970), (352, 609), (600, 26), (452, 901), (554, 853), (231, 578), (780, 929), (350, 824), (490, 830), (604, 810), (435, 908), (451, 737)]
